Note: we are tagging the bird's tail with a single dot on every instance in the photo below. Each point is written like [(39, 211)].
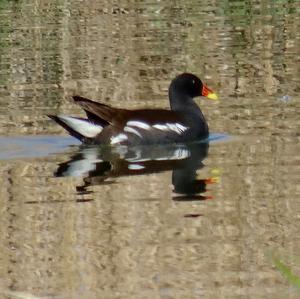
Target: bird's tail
[(77, 127)]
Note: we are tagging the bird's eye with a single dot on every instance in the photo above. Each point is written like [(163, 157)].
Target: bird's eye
[(193, 81)]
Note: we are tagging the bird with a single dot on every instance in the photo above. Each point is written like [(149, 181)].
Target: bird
[(106, 125)]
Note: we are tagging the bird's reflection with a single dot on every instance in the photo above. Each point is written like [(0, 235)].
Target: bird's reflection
[(98, 165)]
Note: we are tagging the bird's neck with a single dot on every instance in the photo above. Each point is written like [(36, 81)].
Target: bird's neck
[(180, 102), (186, 106)]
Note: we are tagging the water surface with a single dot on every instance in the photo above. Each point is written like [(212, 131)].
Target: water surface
[(187, 222)]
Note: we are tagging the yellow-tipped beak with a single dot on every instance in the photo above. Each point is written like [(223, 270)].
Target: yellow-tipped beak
[(208, 93), (212, 96)]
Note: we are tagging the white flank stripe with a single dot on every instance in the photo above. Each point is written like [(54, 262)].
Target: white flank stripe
[(174, 128), (138, 159), (138, 124), (133, 131), (161, 127), (83, 127), (118, 139), (178, 128), (135, 166), (181, 127)]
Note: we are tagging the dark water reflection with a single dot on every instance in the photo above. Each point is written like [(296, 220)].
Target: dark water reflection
[(99, 165)]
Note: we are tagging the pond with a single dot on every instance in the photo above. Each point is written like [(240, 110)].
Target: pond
[(216, 219)]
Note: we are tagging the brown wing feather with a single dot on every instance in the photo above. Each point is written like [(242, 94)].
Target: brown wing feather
[(105, 112), (118, 117)]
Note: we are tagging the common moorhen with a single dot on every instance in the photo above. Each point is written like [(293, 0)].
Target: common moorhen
[(113, 126)]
